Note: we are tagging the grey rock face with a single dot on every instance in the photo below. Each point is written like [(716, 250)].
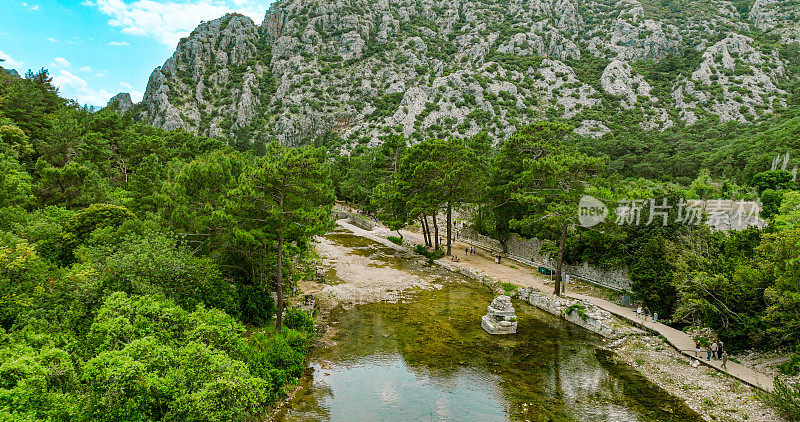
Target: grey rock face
[(212, 84), (778, 16), (121, 102), (434, 68), (12, 72)]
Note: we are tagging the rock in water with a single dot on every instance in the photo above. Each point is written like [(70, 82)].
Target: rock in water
[(500, 317)]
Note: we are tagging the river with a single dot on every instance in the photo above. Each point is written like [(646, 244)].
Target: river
[(424, 357)]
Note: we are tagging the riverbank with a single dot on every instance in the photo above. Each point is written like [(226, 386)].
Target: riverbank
[(551, 368), (711, 393)]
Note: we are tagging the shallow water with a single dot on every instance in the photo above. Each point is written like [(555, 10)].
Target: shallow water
[(427, 358)]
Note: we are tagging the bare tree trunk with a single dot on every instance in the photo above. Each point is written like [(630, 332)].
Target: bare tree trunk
[(279, 285), (435, 231), (424, 223), (427, 231), (560, 262), (449, 226)]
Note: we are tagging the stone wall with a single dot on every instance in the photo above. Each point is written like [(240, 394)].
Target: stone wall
[(594, 319), (529, 251), (354, 219)]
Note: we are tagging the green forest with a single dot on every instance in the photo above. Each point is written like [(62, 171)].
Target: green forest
[(138, 266)]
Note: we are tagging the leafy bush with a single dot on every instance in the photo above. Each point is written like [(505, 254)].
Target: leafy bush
[(509, 288), (792, 366), (396, 240), (786, 398), (300, 320), (256, 305), (146, 358), (578, 309), (431, 255)]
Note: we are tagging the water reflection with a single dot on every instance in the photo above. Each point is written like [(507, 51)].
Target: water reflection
[(428, 359)]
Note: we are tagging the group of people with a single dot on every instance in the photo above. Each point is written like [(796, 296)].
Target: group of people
[(645, 313), (469, 250), (715, 351)]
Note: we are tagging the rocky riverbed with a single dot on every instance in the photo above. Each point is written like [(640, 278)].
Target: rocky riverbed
[(712, 394), (361, 270)]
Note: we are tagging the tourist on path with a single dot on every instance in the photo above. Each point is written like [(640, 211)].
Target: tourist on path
[(697, 348), (655, 316), (639, 311), (724, 359), (714, 349), (708, 349), (646, 312), (720, 351)]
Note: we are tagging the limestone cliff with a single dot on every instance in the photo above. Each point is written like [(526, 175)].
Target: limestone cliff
[(367, 68), (121, 102)]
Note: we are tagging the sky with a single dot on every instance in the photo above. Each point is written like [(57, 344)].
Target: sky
[(95, 49)]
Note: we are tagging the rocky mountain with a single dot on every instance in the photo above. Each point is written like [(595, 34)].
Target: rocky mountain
[(11, 72), (368, 68), (121, 102)]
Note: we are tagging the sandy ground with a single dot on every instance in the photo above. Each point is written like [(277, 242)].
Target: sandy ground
[(358, 275)]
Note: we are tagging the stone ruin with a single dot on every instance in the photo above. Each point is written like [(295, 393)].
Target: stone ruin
[(500, 318)]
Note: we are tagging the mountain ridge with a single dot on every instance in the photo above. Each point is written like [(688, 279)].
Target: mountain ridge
[(367, 68)]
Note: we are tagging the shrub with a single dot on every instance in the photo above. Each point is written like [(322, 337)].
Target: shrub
[(256, 305), (396, 240), (786, 398), (300, 320), (431, 255), (579, 309), (509, 288), (791, 367)]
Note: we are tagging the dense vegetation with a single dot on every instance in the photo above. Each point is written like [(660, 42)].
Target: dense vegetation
[(743, 284), (136, 265), (736, 282)]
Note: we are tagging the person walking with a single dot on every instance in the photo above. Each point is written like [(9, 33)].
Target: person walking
[(714, 349), (639, 311), (708, 350), (720, 350), (655, 316), (697, 348), (724, 359), (646, 312)]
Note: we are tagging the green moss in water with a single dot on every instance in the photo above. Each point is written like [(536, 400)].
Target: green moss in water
[(429, 359)]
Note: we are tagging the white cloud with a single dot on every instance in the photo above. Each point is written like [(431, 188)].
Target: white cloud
[(72, 86), (119, 43), (33, 7), (169, 22), (101, 73), (86, 69), (136, 96), (51, 39), (9, 63), (61, 62)]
